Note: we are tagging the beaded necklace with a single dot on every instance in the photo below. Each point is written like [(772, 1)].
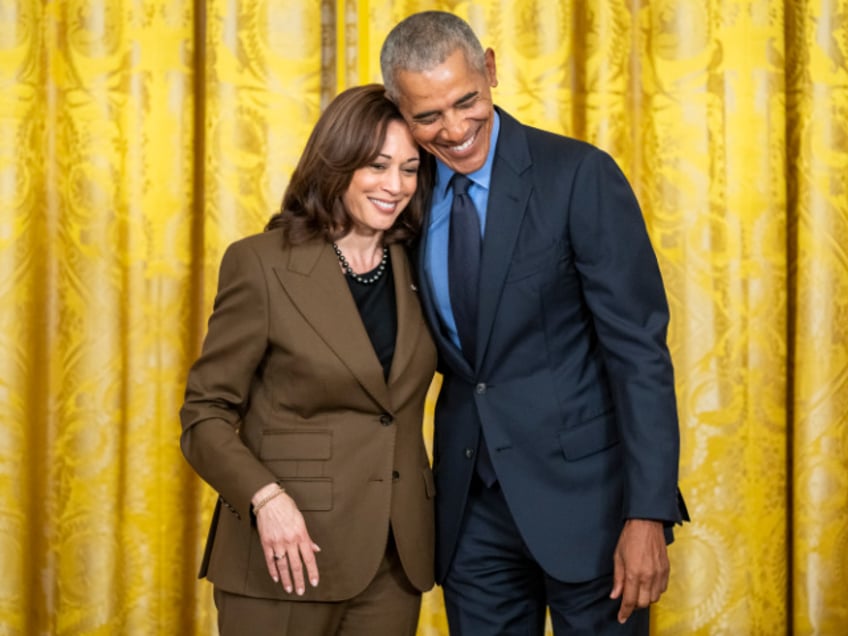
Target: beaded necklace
[(365, 280)]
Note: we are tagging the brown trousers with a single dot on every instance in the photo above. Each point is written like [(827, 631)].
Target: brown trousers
[(389, 605)]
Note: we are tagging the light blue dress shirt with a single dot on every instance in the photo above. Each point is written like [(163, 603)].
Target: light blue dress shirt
[(436, 255)]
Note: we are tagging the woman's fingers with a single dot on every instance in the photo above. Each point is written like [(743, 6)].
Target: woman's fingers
[(282, 564), (302, 557), (287, 545), (288, 565)]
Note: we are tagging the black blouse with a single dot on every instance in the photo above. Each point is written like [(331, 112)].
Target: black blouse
[(376, 303)]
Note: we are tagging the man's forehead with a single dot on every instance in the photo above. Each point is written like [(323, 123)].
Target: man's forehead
[(443, 82)]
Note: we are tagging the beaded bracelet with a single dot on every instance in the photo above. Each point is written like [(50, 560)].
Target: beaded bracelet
[(262, 502)]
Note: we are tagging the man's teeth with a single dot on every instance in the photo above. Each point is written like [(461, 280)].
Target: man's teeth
[(463, 146)]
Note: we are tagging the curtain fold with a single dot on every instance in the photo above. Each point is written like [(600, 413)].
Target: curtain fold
[(95, 296), (817, 103), (713, 157), (138, 138)]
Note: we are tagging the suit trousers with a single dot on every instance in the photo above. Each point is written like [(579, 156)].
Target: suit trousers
[(389, 605), (495, 587)]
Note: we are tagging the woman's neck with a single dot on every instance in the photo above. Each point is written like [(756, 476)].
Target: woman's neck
[(363, 253)]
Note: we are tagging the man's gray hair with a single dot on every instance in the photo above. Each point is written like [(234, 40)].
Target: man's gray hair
[(423, 41)]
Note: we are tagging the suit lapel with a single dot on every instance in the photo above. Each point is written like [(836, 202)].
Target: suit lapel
[(408, 316), (318, 290), (507, 204)]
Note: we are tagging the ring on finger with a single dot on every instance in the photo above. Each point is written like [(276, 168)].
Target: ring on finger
[(279, 557)]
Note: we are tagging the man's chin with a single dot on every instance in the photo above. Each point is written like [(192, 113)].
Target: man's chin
[(463, 165)]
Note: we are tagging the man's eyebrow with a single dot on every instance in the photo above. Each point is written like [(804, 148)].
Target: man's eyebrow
[(466, 98), (425, 115), (432, 113)]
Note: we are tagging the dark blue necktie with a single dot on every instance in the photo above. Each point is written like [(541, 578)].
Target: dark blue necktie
[(464, 264), (463, 282)]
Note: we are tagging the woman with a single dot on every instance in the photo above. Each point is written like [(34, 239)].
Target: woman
[(304, 408)]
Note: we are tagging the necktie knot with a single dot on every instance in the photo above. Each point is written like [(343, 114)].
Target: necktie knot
[(460, 184)]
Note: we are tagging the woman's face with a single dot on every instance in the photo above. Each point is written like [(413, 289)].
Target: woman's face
[(380, 191)]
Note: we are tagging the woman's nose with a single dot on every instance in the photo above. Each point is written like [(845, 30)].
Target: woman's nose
[(392, 180)]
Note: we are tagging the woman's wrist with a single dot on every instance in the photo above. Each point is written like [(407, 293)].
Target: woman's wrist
[(266, 494)]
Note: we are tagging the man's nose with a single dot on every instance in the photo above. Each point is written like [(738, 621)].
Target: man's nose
[(454, 126)]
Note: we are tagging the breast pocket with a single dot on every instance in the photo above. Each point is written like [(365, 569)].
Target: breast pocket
[(542, 265)]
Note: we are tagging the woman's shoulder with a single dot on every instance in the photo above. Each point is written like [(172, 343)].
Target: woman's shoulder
[(269, 239), (269, 243), (271, 248)]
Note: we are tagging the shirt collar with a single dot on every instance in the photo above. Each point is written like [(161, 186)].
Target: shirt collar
[(481, 177)]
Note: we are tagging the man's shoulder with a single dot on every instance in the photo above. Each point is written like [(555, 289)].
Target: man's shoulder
[(544, 137), (544, 141)]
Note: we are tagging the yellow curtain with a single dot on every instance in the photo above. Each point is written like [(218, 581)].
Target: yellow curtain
[(139, 137)]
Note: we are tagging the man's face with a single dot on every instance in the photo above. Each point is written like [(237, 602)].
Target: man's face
[(449, 110)]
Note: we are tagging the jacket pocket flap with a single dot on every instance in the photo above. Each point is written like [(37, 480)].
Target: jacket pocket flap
[(589, 437), (296, 445), (310, 494)]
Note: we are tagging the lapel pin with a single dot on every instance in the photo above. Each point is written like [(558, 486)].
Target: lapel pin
[(413, 287)]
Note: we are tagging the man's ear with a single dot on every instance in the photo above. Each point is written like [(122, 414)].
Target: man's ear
[(491, 69)]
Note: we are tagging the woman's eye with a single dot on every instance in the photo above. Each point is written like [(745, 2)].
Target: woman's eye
[(378, 166)]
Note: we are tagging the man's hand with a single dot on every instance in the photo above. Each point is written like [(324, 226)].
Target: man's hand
[(640, 574)]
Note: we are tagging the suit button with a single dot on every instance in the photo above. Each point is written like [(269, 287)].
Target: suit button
[(386, 419), (395, 475), (480, 389), (469, 453)]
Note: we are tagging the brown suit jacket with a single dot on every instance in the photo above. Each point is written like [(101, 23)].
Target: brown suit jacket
[(288, 387)]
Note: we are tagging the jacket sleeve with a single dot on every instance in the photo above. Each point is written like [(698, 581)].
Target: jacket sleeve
[(623, 288), (219, 382)]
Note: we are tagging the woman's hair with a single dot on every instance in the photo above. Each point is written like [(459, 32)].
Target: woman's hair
[(348, 135), (423, 41)]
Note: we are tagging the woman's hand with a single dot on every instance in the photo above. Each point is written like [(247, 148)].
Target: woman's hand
[(285, 541)]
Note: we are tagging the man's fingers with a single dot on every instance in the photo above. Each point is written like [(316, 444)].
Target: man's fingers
[(645, 596), (660, 583), (617, 577), (628, 600)]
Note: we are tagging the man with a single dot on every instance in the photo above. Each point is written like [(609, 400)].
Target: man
[(556, 446)]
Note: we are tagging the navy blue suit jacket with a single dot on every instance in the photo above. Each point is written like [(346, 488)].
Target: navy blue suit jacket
[(573, 384)]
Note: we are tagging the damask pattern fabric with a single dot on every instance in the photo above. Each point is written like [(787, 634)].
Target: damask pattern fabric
[(138, 139)]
